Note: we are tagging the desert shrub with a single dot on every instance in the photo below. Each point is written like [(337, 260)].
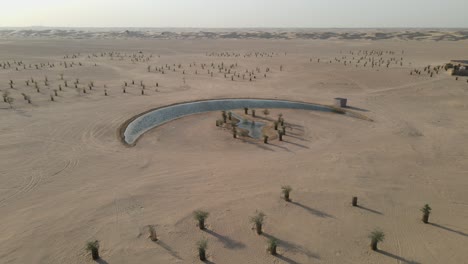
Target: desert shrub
[(286, 190), (271, 245), (376, 236), (258, 219), (426, 210), (202, 246), (200, 216), (93, 247)]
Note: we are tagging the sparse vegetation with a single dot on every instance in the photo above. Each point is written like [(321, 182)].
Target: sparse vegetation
[(202, 246), (280, 135), (5, 95), (376, 236), (10, 101), (201, 216), (271, 246), (223, 114), (258, 219), (426, 210), (152, 233), (286, 190), (93, 247)]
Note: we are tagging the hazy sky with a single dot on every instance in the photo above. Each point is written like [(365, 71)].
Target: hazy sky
[(234, 13)]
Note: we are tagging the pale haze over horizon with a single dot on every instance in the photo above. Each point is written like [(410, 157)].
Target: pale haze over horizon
[(235, 14)]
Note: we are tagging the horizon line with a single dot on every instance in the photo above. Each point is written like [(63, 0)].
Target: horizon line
[(249, 27)]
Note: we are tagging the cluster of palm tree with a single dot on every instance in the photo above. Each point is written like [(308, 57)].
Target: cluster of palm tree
[(279, 124), (258, 220), (231, 71), (249, 54), (371, 58)]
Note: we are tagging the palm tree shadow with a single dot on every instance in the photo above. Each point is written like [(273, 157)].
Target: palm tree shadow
[(296, 144), (286, 259), (296, 136), (289, 246), (449, 229), (278, 146), (168, 249), (388, 254), (312, 210), (228, 242), (262, 146), (357, 108), (368, 209)]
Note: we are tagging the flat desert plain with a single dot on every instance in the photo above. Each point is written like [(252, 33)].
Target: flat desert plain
[(67, 178)]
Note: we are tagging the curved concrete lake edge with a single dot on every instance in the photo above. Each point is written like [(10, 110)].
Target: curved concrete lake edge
[(132, 129)]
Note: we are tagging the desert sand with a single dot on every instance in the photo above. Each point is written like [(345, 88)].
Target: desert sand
[(66, 178)]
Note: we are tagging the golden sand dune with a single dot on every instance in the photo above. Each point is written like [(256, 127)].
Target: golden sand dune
[(326, 34)]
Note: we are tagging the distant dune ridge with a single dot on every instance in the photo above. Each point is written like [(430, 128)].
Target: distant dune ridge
[(251, 33)]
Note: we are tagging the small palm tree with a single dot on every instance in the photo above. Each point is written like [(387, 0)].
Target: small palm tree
[(265, 139), (426, 212), (286, 190), (280, 116), (246, 110), (258, 219), (354, 202), (5, 95), (266, 112), (230, 115), (93, 247), (271, 246), (253, 112), (201, 216), (202, 246), (223, 114), (276, 125), (376, 236), (10, 100), (152, 233), (280, 135)]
